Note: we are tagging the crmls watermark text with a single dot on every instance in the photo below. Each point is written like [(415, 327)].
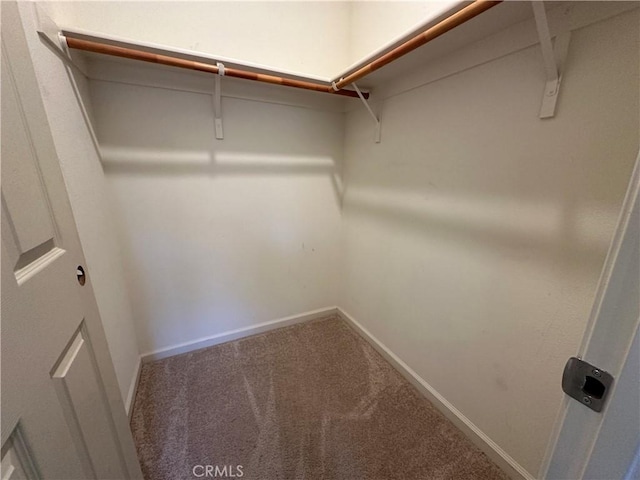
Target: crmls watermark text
[(217, 471)]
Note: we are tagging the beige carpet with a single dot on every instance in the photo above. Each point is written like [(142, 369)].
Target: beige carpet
[(311, 401)]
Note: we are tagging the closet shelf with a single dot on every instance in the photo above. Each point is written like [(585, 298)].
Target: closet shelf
[(217, 69), (455, 26), (434, 28), (417, 40)]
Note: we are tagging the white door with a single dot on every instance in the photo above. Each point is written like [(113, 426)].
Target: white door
[(606, 445), (62, 415)]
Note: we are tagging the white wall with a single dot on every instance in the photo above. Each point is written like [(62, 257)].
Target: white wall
[(219, 234), (90, 203), (373, 24), (307, 37), (475, 233)]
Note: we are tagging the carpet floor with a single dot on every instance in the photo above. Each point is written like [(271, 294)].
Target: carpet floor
[(310, 401)]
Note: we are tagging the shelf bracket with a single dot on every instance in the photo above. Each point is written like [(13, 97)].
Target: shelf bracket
[(217, 102), (553, 56), (373, 115), (50, 35)]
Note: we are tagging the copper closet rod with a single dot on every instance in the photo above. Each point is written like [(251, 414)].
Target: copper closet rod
[(107, 49), (458, 18), (467, 13)]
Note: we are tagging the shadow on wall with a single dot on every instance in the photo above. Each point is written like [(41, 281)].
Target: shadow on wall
[(151, 131), (544, 230), (220, 234), (129, 161), (483, 171)]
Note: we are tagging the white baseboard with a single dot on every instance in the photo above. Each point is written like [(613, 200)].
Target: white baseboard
[(131, 395), (236, 334), (479, 438)]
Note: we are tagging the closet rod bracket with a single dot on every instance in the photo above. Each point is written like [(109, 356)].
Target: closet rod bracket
[(376, 119), (217, 102), (554, 55)]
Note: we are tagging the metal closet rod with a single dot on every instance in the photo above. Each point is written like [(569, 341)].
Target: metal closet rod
[(336, 88), (97, 47), (464, 15)]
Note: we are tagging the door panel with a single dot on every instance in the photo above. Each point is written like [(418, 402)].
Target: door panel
[(81, 394), (31, 342), (31, 239), (16, 463), (23, 191), (62, 415)]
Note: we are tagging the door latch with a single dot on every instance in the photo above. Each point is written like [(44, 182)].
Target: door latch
[(586, 383)]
